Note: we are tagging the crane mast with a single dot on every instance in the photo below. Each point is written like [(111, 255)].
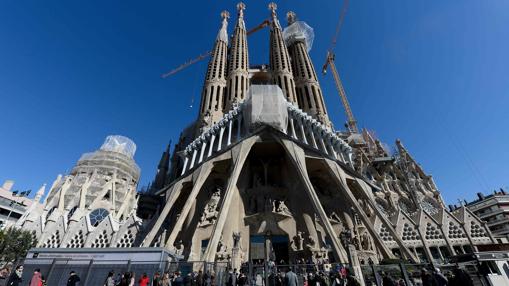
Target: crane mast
[(352, 123), (329, 61)]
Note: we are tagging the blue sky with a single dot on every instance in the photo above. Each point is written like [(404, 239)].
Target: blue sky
[(433, 73)]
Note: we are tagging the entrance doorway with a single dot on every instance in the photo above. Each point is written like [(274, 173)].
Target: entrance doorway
[(280, 244)]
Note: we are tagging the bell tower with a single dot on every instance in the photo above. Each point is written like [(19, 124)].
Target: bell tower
[(279, 58), (238, 62), (212, 96), (299, 39)]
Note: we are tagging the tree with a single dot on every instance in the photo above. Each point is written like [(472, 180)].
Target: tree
[(15, 243)]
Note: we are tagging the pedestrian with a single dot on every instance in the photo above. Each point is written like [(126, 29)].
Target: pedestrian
[(188, 280), (177, 280), (144, 280), (15, 278), (132, 279), (461, 278), (199, 278), (232, 279), (5, 272), (352, 281), (387, 280), (157, 279), (36, 278), (110, 281), (439, 277), (125, 280), (291, 278), (73, 279), (427, 278), (166, 280), (242, 279)]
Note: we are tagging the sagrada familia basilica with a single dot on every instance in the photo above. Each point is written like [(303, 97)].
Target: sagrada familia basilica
[(262, 165)]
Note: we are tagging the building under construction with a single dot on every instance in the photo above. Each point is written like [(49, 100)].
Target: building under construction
[(262, 174)]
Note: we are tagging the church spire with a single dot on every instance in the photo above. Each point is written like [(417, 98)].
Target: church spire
[(238, 62), (299, 38), (279, 58), (212, 99)]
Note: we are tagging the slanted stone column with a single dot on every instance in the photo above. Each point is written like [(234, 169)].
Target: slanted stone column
[(239, 155), (174, 193), (297, 156), (200, 176)]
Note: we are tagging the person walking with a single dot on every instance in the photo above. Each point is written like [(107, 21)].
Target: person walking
[(427, 278), (232, 279), (165, 280), (5, 272), (15, 278), (73, 279), (439, 277), (110, 281), (144, 280), (132, 279), (177, 280), (291, 278), (156, 280), (36, 278)]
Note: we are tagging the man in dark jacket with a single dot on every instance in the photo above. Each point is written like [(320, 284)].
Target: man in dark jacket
[(15, 278), (73, 279)]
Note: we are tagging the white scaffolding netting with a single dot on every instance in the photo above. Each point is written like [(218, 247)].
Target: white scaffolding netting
[(119, 144), (266, 104), (299, 31)]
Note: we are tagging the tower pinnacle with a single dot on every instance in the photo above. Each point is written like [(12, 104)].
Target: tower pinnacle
[(291, 17), (240, 8), (212, 97), (238, 63), (299, 38), (279, 59)]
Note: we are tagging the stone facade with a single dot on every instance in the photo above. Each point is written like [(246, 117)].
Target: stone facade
[(93, 206), (270, 181)]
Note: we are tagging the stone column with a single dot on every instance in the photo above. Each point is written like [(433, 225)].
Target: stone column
[(297, 157), (174, 194), (239, 155), (199, 177)]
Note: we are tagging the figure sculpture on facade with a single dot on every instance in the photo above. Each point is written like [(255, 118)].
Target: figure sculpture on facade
[(298, 241), (210, 212), (179, 248), (236, 239), (366, 242)]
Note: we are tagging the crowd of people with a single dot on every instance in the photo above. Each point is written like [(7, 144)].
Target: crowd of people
[(456, 277), (277, 276), (160, 279)]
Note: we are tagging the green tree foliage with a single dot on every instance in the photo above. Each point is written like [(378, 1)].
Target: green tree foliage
[(15, 243)]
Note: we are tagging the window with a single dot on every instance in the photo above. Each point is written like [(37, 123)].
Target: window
[(97, 216)]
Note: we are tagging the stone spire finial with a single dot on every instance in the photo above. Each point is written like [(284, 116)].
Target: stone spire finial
[(240, 8), (225, 15), (273, 8), (223, 33), (275, 21), (291, 17)]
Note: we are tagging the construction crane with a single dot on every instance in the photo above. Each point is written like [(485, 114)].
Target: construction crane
[(208, 53), (329, 62)]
